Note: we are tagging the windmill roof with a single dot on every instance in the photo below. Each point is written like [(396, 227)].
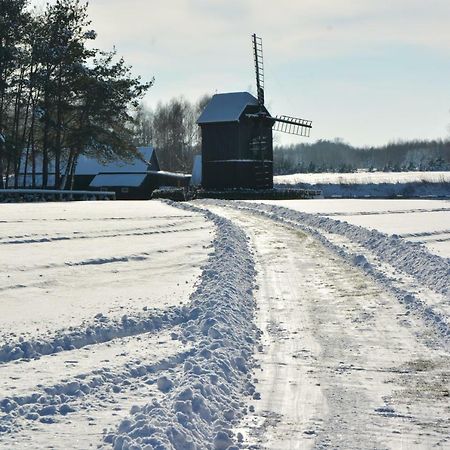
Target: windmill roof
[(226, 107), (91, 166)]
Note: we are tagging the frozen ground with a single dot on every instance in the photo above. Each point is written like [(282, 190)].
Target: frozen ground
[(224, 325)]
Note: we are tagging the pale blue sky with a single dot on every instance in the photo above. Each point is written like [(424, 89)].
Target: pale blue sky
[(366, 71)]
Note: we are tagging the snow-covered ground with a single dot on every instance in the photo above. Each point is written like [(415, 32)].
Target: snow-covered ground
[(423, 221), (372, 185), (364, 178), (225, 325), (344, 361)]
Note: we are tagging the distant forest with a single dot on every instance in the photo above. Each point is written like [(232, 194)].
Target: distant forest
[(337, 156)]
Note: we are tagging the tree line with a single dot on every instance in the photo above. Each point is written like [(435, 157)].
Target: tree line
[(60, 97), (338, 156)]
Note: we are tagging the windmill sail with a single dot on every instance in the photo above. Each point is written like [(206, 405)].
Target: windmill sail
[(259, 67), (285, 124), (292, 125)]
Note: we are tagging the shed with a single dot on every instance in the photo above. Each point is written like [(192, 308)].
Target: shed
[(88, 168), (237, 149), (126, 185)]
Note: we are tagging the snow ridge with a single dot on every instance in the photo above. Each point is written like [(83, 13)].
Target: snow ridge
[(65, 397), (101, 329), (203, 400), (412, 258)]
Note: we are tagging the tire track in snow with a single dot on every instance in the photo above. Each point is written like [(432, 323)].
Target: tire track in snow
[(387, 211), (102, 329), (45, 240), (136, 362), (428, 269), (96, 219), (336, 353), (41, 239)]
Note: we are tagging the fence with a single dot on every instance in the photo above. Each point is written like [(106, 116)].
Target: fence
[(36, 195)]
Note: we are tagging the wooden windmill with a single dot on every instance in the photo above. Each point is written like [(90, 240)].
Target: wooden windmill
[(237, 142)]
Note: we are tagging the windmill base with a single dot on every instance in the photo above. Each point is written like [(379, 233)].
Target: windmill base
[(179, 194)]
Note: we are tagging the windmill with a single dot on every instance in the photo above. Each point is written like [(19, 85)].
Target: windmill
[(237, 143)]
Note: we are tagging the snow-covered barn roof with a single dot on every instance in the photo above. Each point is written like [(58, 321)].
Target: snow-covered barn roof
[(91, 166), (118, 180), (226, 107), (169, 174)]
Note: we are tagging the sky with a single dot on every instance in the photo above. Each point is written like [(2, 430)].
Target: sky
[(365, 71)]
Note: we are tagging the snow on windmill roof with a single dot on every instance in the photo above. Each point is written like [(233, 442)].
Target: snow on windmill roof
[(91, 166), (226, 107)]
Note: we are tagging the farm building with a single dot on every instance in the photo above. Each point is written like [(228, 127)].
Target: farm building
[(134, 179), (237, 150), (128, 179), (87, 169)]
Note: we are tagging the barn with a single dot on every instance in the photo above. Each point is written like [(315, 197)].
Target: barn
[(133, 179), (237, 149), (128, 179), (88, 168)]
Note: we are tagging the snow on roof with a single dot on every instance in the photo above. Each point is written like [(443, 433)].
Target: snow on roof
[(118, 179), (226, 107), (169, 174), (91, 166)]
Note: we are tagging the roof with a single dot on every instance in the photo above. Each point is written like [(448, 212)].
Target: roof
[(226, 107), (169, 174), (118, 179), (91, 166)]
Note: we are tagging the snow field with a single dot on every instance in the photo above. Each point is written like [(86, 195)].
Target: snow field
[(136, 325), (372, 185), (138, 377), (364, 178), (105, 277)]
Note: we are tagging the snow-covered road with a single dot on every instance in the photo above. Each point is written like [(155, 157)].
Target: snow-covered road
[(343, 363), (143, 326)]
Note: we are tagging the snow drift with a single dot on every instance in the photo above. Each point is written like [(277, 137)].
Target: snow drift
[(204, 400)]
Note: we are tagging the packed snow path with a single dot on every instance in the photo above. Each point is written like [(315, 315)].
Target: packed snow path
[(343, 364)]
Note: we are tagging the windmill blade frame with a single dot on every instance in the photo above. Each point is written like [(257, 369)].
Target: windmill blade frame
[(259, 67), (292, 125)]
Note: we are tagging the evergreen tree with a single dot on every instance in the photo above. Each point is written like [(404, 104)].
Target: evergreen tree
[(12, 22)]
